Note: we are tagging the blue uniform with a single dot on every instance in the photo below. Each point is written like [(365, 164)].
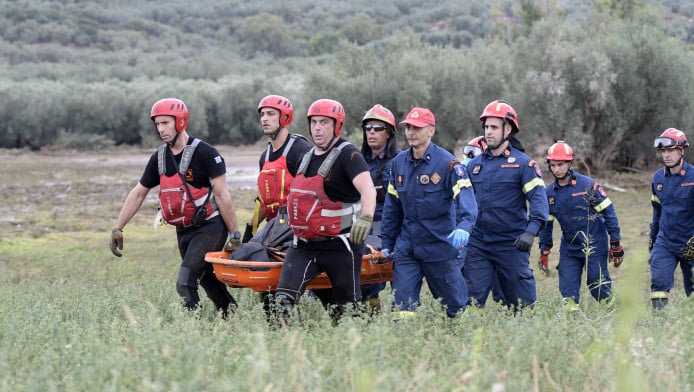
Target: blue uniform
[(672, 226), (503, 185), (379, 167), (427, 199), (586, 216)]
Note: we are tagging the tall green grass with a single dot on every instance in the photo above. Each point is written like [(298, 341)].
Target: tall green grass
[(75, 318)]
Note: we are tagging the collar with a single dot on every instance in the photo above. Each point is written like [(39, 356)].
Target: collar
[(425, 158), (682, 172)]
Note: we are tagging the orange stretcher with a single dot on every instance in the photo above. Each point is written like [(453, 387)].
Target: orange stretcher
[(264, 276)]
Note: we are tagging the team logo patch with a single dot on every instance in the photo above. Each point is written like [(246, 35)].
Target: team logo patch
[(659, 187), (511, 159), (424, 179), (476, 169), (217, 159), (189, 175), (399, 181), (436, 178), (458, 169), (551, 200), (602, 192)]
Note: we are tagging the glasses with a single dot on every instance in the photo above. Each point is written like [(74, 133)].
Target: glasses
[(665, 142), (373, 127)]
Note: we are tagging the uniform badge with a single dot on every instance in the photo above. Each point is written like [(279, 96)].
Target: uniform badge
[(602, 192), (511, 159), (400, 180), (458, 169), (476, 169), (436, 178), (551, 200), (538, 171), (659, 187), (424, 179)]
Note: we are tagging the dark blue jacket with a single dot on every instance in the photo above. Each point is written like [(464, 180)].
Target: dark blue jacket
[(673, 207), (427, 199)]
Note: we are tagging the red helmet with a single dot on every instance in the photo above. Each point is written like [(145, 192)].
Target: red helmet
[(671, 138), (502, 110), (560, 151), (328, 108), (171, 107), (380, 113), (280, 103), (475, 147)]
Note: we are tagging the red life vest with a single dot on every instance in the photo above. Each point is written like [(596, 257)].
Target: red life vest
[(175, 205), (311, 212), (274, 181)]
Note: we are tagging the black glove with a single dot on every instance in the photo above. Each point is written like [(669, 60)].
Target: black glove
[(117, 242), (525, 241), (616, 255), (248, 233), (651, 241)]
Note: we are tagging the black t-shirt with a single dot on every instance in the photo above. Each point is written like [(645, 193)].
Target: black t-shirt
[(299, 148), (338, 183), (205, 164)]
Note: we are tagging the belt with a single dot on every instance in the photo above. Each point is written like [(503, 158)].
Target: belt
[(319, 239)]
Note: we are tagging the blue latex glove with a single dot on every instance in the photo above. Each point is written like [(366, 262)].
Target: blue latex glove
[(389, 256), (460, 238)]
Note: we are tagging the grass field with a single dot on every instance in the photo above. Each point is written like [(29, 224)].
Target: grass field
[(75, 318)]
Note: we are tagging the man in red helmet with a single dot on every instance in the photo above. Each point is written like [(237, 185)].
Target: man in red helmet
[(330, 205), (586, 216), (672, 227), (280, 161), (513, 208), (193, 197)]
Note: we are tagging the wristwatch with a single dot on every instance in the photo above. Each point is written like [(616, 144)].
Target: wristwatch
[(235, 235)]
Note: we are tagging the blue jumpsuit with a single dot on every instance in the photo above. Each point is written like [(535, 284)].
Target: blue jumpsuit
[(427, 199), (586, 216), (672, 226), (503, 185), (379, 167)]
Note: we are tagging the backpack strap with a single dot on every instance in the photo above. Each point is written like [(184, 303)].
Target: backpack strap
[(330, 160), (285, 152), (188, 151)]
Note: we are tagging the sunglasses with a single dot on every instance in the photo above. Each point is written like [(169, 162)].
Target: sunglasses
[(665, 142), (373, 127)]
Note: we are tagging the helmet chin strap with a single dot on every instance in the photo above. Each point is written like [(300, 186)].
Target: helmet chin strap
[(327, 146), (679, 161), (505, 139), (173, 141), (273, 136), (568, 173)]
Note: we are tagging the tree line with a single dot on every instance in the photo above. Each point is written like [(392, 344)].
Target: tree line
[(607, 85)]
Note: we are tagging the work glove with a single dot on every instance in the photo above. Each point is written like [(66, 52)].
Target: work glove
[(460, 238), (360, 229), (525, 241), (543, 263), (117, 242), (688, 250), (389, 256), (616, 253), (233, 242)]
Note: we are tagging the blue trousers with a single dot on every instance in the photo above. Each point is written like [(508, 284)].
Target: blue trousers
[(570, 269), (663, 264), (443, 277), (485, 262)]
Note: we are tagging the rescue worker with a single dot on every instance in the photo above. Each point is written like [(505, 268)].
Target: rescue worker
[(506, 182), (185, 169), (672, 227), (331, 205), (379, 147), (278, 166), (280, 160), (428, 214), (586, 216)]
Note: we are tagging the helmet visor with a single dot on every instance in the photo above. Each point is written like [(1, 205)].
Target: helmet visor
[(665, 142), (472, 151)]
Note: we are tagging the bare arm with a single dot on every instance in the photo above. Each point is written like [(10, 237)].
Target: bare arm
[(131, 205), (365, 186), (223, 199)]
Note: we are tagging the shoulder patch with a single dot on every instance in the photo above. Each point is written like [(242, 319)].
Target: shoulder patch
[(458, 168), (538, 171)]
